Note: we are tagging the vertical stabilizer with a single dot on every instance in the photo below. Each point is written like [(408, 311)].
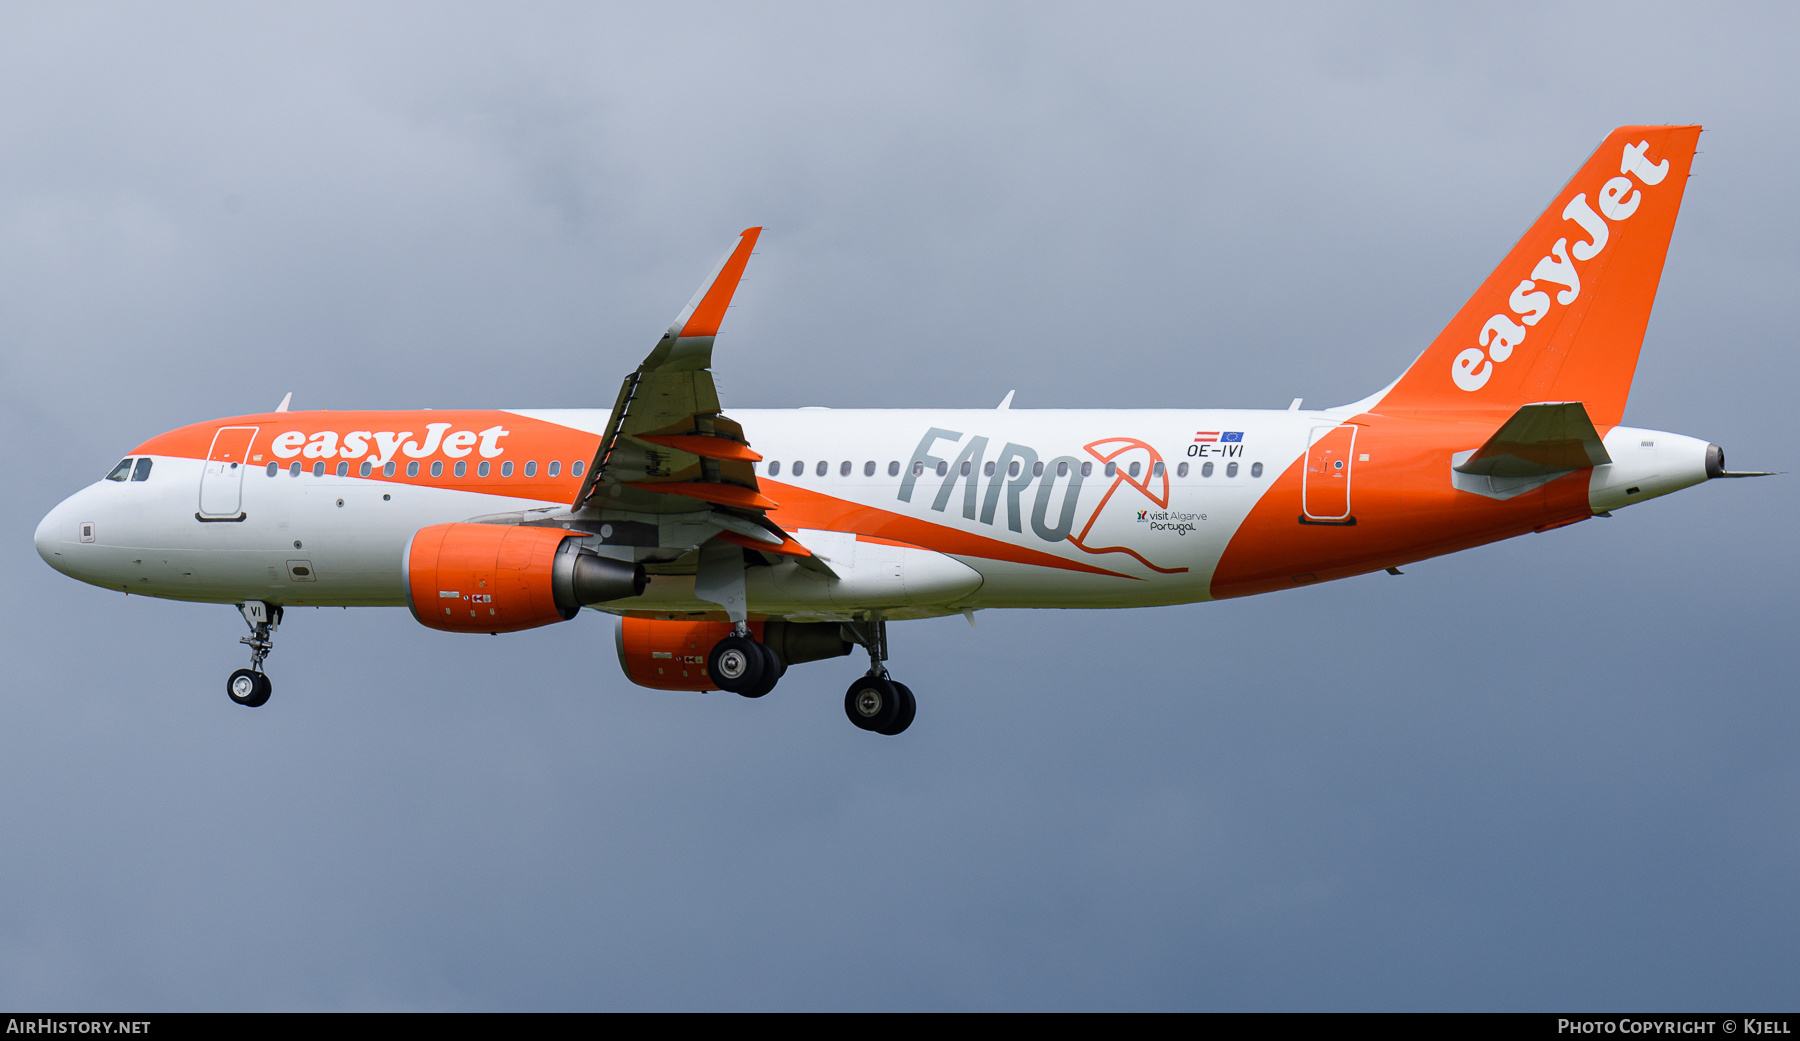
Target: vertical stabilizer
[(1563, 316)]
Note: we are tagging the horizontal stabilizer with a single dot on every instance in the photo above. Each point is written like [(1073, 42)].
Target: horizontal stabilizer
[(1544, 438)]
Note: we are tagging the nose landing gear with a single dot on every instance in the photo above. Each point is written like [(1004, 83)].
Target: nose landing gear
[(251, 687)]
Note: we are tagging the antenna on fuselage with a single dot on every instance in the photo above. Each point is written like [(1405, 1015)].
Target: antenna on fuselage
[(1005, 402), (284, 402)]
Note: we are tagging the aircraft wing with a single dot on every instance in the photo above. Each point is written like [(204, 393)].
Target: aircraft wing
[(668, 447)]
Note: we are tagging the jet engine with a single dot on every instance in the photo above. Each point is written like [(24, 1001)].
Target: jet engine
[(667, 654), (500, 578)]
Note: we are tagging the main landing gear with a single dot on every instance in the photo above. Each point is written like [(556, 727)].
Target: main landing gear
[(877, 702), (744, 666), (251, 687)]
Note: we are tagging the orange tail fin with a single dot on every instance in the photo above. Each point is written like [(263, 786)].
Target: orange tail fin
[(1563, 316)]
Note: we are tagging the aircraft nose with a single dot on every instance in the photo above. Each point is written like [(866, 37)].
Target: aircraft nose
[(52, 532)]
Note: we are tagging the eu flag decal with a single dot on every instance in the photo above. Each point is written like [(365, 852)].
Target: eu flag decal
[(1232, 437)]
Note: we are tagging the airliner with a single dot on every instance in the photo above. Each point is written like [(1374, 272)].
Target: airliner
[(730, 547)]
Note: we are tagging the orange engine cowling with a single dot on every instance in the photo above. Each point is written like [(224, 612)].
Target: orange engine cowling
[(500, 578), (670, 654)]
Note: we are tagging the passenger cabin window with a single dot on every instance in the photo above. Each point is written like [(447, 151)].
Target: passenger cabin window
[(943, 468), (1012, 469), (844, 468), (966, 467), (294, 468), (276, 467), (894, 468), (1111, 468), (531, 468), (1231, 469), (343, 470), (387, 469), (799, 468), (319, 468), (1062, 469), (1206, 469), (121, 472), (437, 468), (1181, 471), (775, 468), (820, 469), (555, 467), (482, 470), (988, 470), (1156, 470), (869, 468), (1256, 469), (918, 467), (412, 469), (506, 468), (1135, 467), (1087, 469), (361, 471), (142, 471), (1037, 469), (575, 468), (462, 468)]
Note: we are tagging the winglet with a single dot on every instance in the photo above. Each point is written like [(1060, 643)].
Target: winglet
[(704, 313)]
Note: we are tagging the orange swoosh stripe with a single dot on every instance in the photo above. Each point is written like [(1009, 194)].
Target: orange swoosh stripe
[(809, 509)]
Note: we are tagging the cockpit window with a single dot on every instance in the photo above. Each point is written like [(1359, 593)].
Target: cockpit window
[(121, 472), (142, 473)]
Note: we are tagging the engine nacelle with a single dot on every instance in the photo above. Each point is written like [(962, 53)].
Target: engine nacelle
[(670, 654), (501, 578)]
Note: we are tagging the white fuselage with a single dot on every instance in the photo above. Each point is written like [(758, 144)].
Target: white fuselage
[(1122, 539)]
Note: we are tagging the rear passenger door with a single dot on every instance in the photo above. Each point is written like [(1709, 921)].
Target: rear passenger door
[(1325, 484)]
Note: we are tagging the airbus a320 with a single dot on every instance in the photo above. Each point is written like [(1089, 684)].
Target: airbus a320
[(731, 547)]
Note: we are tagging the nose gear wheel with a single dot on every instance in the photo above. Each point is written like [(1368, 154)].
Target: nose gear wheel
[(248, 688)]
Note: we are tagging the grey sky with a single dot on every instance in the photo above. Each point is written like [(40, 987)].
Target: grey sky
[(1558, 772)]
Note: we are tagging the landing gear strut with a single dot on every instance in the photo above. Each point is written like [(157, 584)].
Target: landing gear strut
[(876, 701), (251, 687)]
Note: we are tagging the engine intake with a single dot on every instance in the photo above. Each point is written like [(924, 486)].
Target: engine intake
[(501, 578)]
